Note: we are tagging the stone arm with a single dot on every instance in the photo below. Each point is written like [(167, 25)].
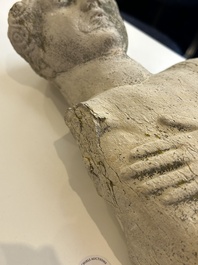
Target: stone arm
[(153, 189), (140, 146)]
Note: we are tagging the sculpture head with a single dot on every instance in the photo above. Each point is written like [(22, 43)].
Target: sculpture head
[(54, 36)]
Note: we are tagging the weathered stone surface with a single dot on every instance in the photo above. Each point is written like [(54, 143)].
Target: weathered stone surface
[(140, 146), (138, 133)]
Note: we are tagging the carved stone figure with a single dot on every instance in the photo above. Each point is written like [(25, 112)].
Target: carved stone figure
[(138, 132)]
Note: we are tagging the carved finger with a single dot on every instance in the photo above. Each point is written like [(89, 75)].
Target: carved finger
[(176, 179), (182, 124), (155, 165), (152, 149), (186, 192)]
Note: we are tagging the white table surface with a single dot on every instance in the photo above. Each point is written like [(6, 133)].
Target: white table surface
[(50, 213)]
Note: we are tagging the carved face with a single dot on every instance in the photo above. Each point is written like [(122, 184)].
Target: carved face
[(76, 31), (56, 35)]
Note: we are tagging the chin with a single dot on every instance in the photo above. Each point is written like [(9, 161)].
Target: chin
[(109, 38)]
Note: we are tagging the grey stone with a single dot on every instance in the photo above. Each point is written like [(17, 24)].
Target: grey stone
[(138, 132)]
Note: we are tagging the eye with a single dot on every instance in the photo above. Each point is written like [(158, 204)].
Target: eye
[(63, 2)]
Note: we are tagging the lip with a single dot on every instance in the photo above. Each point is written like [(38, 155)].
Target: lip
[(96, 14)]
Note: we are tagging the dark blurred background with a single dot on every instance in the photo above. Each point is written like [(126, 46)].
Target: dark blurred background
[(174, 23)]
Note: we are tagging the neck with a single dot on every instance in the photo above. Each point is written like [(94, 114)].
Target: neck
[(91, 78)]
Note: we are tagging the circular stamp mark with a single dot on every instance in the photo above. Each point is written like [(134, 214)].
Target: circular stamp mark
[(94, 260)]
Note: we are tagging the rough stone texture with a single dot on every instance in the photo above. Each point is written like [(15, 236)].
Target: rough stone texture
[(140, 146), (138, 133)]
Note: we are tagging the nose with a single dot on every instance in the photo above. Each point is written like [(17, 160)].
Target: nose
[(86, 5)]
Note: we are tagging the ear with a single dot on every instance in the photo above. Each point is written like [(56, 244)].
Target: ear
[(19, 38)]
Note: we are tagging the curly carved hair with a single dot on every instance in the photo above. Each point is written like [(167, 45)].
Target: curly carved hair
[(24, 33)]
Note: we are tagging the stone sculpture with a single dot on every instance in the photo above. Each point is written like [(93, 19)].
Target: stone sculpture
[(138, 132)]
